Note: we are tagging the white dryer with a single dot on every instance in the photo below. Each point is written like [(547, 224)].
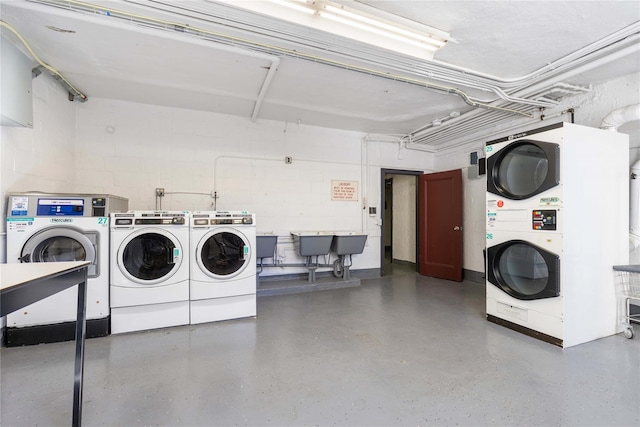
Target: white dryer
[(223, 265), (44, 227), (523, 170), (557, 221), (149, 270), (523, 282)]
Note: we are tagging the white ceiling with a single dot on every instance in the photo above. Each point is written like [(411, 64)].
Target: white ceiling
[(519, 48)]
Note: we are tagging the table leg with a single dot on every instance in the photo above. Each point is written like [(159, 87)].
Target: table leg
[(81, 329)]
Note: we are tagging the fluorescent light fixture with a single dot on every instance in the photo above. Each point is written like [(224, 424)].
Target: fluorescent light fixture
[(355, 21), (382, 28)]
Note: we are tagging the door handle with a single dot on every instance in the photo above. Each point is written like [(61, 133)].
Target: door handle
[(457, 228)]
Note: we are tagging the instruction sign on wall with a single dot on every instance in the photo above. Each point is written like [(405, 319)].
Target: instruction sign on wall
[(344, 190)]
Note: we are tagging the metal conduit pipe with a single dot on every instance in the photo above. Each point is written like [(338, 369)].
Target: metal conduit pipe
[(438, 71), (580, 53), (520, 126), (549, 83)]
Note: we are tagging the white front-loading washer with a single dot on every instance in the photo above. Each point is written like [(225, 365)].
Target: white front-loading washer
[(223, 265), (47, 227), (149, 270)]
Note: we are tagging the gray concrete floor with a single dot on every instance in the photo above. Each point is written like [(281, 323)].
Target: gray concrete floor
[(403, 350)]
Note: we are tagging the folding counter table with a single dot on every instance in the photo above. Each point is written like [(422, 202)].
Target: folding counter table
[(24, 284)]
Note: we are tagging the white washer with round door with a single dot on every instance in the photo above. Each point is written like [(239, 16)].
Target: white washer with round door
[(149, 270), (47, 227), (223, 265)]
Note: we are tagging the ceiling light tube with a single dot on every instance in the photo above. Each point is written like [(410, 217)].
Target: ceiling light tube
[(378, 31), (299, 6), (384, 26)]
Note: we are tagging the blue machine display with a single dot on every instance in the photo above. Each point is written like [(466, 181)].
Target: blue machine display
[(43, 227)]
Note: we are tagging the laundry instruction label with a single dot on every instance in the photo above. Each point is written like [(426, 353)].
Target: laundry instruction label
[(19, 225), (19, 205), (344, 190)]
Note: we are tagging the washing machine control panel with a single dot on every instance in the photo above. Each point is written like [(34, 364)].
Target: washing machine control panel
[(544, 219), (223, 218), (60, 207), (149, 218)]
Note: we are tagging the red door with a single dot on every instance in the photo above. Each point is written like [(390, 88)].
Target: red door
[(440, 225)]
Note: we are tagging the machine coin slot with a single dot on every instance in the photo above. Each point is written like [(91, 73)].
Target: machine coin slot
[(544, 219)]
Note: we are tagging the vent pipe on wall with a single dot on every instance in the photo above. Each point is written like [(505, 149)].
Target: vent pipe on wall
[(618, 117)]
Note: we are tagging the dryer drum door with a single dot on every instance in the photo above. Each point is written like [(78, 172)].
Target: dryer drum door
[(149, 257), (58, 244), (223, 254), (523, 270), (523, 169)]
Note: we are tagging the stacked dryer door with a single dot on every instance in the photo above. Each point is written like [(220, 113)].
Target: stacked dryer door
[(149, 270), (45, 227), (223, 266), (546, 272)]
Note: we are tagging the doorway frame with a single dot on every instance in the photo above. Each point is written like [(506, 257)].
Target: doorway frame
[(383, 175)]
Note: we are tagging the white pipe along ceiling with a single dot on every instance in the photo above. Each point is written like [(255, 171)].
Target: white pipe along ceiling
[(480, 98)]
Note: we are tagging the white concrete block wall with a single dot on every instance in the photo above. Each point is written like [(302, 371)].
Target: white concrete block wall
[(130, 149), (42, 158)]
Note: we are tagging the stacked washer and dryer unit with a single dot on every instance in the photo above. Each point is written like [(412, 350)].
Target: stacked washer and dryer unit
[(557, 221), (52, 227)]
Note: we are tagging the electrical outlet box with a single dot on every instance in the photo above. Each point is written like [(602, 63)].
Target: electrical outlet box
[(159, 192), (288, 160)]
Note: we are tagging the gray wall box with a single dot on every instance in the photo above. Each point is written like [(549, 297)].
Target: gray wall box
[(16, 104)]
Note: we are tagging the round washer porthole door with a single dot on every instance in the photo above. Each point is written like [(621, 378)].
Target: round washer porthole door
[(523, 169), (223, 254), (150, 256), (57, 244), (524, 270)]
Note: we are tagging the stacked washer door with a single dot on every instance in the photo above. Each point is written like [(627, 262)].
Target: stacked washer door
[(545, 276), (223, 266), (45, 227), (149, 270)]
